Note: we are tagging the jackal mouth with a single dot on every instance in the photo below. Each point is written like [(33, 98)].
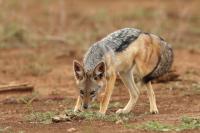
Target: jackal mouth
[(86, 106)]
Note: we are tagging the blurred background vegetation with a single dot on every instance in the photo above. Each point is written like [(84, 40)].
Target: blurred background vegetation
[(31, 23), (39, 39)]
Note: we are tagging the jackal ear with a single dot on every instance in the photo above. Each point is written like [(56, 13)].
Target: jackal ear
[(99, 71), (78, 70)]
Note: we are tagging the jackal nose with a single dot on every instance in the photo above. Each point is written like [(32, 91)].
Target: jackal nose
[(85, 106)]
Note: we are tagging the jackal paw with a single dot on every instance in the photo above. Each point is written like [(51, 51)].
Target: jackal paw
[(100, 114), (155, 111), (77, 110), (122, 111)]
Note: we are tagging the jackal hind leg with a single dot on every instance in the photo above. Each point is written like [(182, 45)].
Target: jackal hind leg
[(128, 80), (152, 98)]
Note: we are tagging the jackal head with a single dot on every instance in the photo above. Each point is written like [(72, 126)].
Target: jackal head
[(89, 83)]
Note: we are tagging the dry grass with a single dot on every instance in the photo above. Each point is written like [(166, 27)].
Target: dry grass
[(52, 23)]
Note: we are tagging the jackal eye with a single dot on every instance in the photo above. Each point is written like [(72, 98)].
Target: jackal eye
[(92, 92), (81, 92), (95, 78), (98, 77)]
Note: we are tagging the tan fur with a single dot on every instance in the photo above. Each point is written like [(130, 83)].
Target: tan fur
[(108, 92), (78, 104), (138, 54), (137, 57)]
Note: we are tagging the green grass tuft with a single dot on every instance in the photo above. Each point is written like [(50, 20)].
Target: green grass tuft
[(9, 130), (112, 105), (189, 123), (5, 129), (186, 123), (96, 116), (28, 99), (196, 87), (40, 117), (156, 126)]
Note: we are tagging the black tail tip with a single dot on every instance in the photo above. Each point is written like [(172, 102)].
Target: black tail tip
[(146, 79)]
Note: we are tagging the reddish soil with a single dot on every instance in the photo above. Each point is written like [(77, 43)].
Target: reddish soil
[(53, 76)]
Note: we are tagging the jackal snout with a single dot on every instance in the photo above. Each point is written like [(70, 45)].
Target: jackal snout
[(85, 106)]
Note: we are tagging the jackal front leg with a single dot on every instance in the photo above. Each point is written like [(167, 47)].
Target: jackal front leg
[(78, 106), (108, 92)]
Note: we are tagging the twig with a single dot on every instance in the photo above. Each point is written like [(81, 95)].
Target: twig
[(17, 87)]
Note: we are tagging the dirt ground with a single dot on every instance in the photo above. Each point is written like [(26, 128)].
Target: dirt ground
[(39, 41)]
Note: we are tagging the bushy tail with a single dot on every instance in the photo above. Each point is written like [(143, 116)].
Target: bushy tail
[(164, 62)]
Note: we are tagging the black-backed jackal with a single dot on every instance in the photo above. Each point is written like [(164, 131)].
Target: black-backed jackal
[(122, 52)]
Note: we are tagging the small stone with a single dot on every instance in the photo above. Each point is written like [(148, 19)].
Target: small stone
[(71, 130), (61, 118), (61, 106), (119, 122), (126, 119), (56, 119)]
